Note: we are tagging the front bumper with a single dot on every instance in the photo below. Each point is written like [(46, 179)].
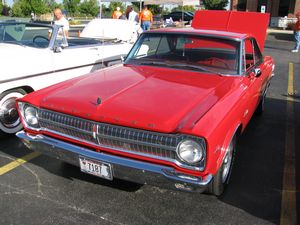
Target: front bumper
[(123, 168)]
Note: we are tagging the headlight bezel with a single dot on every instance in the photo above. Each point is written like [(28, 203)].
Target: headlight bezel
[(28, 113), (201, 144)]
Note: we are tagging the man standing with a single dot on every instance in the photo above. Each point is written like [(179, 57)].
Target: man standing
[(117, 13), (59, 19), (146, 18), (297, 33), (133, 16)]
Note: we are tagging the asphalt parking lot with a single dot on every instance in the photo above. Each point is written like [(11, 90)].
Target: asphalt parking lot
[(264, 186)]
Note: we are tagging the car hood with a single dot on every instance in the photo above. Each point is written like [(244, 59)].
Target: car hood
[(159, 99)]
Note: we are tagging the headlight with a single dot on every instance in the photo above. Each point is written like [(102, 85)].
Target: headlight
[(29, 114), (190, 151), (31, 117)]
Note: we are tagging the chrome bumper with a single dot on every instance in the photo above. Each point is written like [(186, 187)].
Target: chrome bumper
[(123, 168)]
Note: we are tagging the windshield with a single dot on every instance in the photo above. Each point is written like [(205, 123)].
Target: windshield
[(25, 34), (185, 51)]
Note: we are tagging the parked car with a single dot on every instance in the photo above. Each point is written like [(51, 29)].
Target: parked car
[(180, 16), (30, 60), (169, 116)]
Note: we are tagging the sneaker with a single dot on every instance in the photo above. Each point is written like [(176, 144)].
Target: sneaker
[(294, 50)]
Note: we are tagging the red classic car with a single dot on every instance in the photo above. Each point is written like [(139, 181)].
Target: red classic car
[(170, 115)]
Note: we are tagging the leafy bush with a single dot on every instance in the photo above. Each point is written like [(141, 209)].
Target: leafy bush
[(215, 4)]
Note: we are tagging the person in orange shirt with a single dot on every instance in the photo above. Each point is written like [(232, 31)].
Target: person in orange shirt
[(297, 33), (117, 13), (146, 18)]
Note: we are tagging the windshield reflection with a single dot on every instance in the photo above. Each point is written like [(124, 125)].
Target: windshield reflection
[(185, 51)]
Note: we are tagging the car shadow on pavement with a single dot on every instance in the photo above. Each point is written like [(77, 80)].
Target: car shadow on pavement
[(257, 177)]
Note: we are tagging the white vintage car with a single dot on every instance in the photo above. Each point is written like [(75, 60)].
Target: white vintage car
[(34, 56)]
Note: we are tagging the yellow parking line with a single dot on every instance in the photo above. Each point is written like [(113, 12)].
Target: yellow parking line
[(18, 162), (288, 197)]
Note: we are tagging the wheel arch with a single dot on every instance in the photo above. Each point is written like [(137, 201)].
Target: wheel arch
[(26, 88), (236, 132)]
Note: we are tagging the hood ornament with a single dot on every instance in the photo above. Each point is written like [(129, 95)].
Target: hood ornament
[(99, 101)]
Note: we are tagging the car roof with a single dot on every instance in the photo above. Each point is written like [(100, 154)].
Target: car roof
[(191, 30)]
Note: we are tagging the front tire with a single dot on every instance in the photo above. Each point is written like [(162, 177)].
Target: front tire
[(221, 179), (10, 122)]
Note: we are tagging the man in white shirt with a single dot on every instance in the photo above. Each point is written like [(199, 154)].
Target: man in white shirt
[(133, 16), (61, 20)]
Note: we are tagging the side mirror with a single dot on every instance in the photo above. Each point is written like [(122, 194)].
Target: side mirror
[(257, 72), (123, 58)]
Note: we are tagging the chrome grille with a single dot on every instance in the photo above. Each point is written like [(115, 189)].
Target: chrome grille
[(67, 125), (137, 141), (141, 142)]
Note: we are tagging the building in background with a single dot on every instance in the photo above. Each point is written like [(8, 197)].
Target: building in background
[(277, 8)]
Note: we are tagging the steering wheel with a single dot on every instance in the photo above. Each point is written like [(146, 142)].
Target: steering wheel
[(215, 61), (34, 40)]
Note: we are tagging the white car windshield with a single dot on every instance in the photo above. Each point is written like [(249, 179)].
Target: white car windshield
[(186, 51), (26, 34)]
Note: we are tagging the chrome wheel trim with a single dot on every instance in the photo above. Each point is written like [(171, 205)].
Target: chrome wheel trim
[(227, 162), (9, 118)]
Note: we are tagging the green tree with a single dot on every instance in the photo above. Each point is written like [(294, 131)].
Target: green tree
[(37, 6), (136, 6), (113, 5), (71, 6), (89, 8), (215, 4), (23, 8), (185, 8), (52, 4), (16, 9), (1, 7)]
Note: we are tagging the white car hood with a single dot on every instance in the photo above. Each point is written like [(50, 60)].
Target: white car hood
[(123, 30)]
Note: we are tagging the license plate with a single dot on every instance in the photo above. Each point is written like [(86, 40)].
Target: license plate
[(96, 168)]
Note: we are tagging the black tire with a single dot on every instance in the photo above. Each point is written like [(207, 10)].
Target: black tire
[(221, 179), (9, 119)]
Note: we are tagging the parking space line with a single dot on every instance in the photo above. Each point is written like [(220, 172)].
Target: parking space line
[(18, 162), (288, 197)]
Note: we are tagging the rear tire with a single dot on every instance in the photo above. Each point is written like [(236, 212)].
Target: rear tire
[(221, 179), (10, 122)]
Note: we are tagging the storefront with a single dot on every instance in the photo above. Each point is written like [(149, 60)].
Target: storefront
[(277, 8)]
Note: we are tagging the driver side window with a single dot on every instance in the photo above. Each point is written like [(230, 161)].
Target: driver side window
[(252, 54)]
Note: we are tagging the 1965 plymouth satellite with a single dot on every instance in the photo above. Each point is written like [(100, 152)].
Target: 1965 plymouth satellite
[(30, 60), (170, 115)]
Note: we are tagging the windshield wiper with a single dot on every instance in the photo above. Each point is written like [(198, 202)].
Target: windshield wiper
[(194, 67), (153, 63), (181, 65)]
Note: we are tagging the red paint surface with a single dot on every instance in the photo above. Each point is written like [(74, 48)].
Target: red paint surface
[(164, 100), (252, 23)]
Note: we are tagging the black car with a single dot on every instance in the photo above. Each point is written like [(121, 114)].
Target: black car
[(179, 16)]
